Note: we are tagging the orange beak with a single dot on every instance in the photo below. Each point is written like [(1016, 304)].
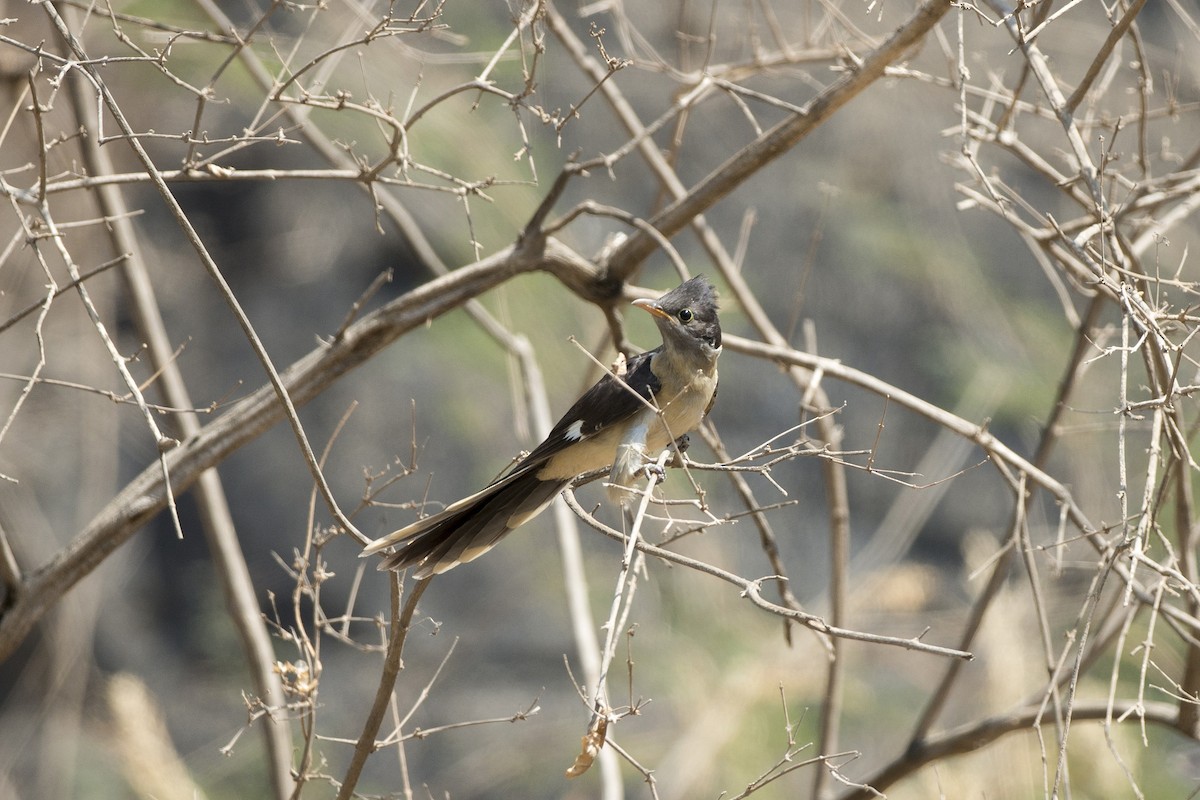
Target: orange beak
[(652, 306)]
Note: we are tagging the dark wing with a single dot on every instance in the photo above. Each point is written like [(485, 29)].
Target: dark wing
[(468, 528), (606, 403)]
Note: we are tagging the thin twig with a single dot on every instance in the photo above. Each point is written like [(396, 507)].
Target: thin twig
[(392, 664), (752, 590)]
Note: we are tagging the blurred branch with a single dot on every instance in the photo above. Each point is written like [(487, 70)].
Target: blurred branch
[(10, 572), (1051, 431), (1115, 35), (140, 737), (210, 267), (230, 567), (575, 583)]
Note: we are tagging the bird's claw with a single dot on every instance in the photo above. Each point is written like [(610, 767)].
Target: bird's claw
[(680, 447), (654, 472)]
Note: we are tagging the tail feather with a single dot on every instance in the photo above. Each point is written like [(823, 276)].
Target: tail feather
[(469, 528)]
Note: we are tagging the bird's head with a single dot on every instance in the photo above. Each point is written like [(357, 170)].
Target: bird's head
[(687, 316)]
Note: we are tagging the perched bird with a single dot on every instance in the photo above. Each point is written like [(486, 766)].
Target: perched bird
[(667, 391)]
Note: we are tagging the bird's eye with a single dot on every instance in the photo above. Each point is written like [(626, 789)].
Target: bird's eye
[(686, 315)]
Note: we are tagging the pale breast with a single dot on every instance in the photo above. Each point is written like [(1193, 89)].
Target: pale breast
[(654, 430), (681, 414), (594, 453)]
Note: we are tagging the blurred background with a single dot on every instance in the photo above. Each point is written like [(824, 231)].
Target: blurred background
[(866, 243)]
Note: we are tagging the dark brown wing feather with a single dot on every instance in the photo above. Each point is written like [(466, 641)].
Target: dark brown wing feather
[(473, 525), (465, 532), (607, 403)]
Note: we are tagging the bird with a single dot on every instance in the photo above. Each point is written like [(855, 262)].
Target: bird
[(621, 423)]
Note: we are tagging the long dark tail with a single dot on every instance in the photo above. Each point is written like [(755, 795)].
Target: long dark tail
[(469, 528)]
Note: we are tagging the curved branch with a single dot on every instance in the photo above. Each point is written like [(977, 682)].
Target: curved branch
[(752, 590)]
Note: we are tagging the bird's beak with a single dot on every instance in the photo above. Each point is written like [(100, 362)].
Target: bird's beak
[(652, 306)]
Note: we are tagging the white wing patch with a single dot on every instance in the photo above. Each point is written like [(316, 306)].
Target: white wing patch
[(574, 431)]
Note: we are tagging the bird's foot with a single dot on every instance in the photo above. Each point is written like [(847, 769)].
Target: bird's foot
[(680, 447), (654, 472)]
